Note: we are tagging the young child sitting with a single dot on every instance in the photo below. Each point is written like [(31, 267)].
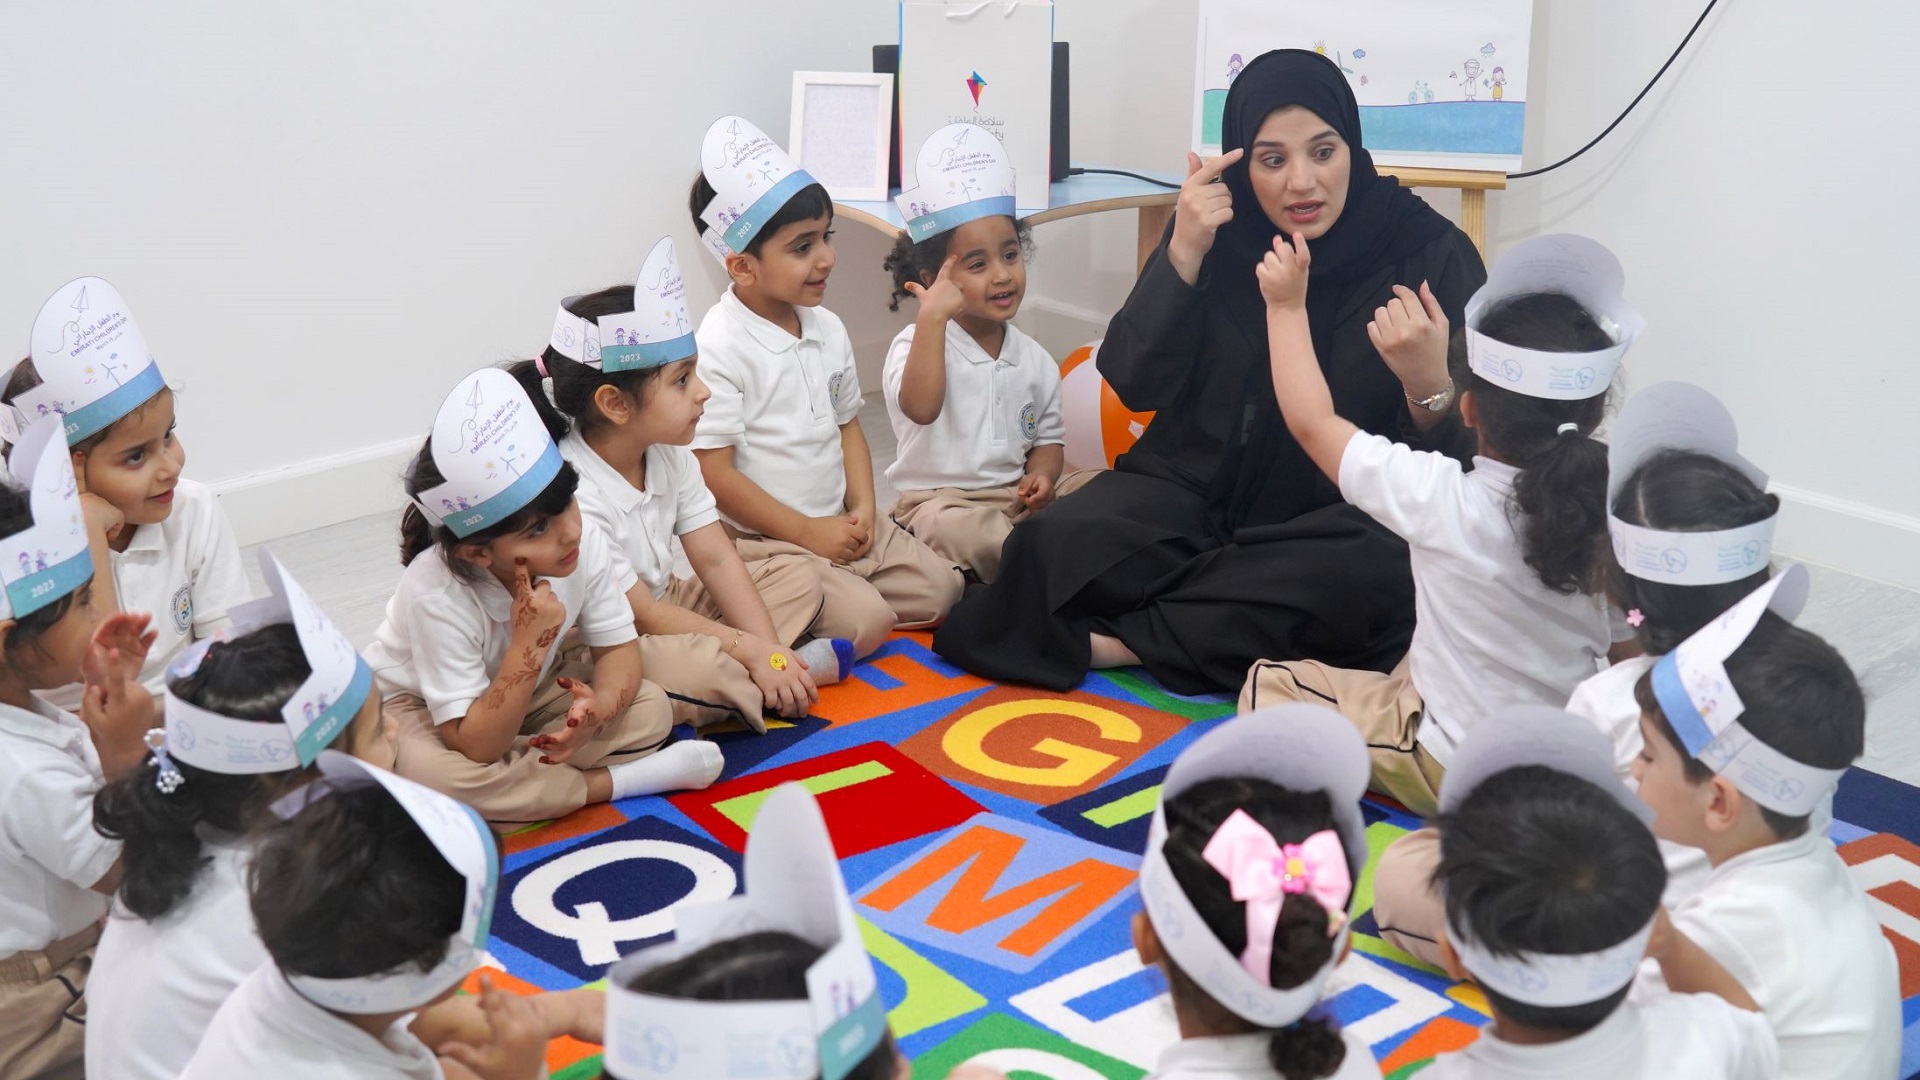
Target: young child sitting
[(1747, 728), (975, 403), (772, 984), (617, 386), (172, 552), (245, 715), (780, 442), (1247, 882), (1506, 558), (491, 700), (373, 900), (56, 873), (1552, 885)]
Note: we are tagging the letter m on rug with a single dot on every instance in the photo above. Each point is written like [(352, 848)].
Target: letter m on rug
[(1001, 891)]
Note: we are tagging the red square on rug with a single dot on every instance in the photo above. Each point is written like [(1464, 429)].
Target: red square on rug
[(872, 795)]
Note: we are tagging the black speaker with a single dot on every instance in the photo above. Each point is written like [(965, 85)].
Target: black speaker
[(886, 61)]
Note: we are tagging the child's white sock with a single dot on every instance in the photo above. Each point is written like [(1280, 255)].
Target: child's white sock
[(828, 659), (683, 766)]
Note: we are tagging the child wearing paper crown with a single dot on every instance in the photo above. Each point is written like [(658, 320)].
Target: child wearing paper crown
[(770, 985), (1246, 885), (975, 403), (1692, 530), (624, 399), (1508, 595), (780, 442), (173, 553), (373, 900), (56, 873), (491, 700), (245, 716), (1552, 885), (1747, 726)]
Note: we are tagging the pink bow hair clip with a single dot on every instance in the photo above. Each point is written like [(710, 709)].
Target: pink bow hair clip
[(1262, 873)]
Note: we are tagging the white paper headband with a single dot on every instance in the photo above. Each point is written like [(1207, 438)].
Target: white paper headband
[(1553, 980), (1557, 263), (49, 558), (656, 332)]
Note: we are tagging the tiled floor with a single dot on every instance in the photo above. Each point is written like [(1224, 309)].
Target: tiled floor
[(351, 568)]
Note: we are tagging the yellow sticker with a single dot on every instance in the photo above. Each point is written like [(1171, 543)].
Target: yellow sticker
[(778, 661)]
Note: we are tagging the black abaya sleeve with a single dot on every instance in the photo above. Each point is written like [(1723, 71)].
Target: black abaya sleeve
[(1155, 339)]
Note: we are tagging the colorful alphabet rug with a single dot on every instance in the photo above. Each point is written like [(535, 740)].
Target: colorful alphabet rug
[(991, 837)]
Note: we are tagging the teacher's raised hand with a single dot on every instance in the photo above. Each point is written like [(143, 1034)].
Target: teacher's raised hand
[(1205, 205)]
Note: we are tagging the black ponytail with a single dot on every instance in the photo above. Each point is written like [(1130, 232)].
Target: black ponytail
[(1311, 1047), (1685, 491), (248, 678), (575, 383), (1560, 493), (418, 535)]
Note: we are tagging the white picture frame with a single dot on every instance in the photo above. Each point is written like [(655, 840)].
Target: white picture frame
[(842, 131)]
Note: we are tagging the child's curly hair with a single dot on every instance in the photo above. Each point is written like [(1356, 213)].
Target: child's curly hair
[(920, 262)]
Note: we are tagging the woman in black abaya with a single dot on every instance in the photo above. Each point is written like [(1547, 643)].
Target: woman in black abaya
[(1215, 542)]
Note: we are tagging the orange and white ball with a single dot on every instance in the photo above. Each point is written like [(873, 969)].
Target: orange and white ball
[(1099, 427)]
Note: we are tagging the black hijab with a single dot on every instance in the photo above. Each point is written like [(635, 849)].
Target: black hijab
[(1264, 477)]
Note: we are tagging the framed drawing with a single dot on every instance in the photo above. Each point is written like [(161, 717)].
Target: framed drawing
[(841, 130)]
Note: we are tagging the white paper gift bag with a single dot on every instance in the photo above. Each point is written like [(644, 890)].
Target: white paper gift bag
[(983, 62)]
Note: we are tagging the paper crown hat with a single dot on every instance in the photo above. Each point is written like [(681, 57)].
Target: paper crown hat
[(793, 884), (1534, 735), (657, 331), (1681, 416), (93, 364), (49, 558), (1299, 747), (1704, 707), (317, 712), (752, 179), (964, 175), (493, 451), (1556, 263), (468, 846)]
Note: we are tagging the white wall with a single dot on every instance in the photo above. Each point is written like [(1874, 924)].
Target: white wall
[(324, 214)]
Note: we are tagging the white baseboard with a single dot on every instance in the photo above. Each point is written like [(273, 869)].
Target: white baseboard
[(1848, 536), (318, 492)]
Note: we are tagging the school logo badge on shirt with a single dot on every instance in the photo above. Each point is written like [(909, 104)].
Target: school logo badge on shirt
[(1029, 422), (838, 379), (182, 608)]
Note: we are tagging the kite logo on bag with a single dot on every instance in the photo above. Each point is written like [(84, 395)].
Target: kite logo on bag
[(975, 84)]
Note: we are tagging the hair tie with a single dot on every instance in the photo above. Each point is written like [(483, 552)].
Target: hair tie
[(1263, 872), (1566, 428), (540, 365), (169, 778)]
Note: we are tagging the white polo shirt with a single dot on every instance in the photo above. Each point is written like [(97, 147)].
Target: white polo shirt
[(642, 522), (994, 413), (1487, 634), (1672, 1036), (50, 857), (779, 401), (156, 985), (185, 572), (1791, 924), (1244, 1057), (445, 637), (266, 1029)]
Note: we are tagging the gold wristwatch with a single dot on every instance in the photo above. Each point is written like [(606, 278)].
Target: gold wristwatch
[(1438, 403)]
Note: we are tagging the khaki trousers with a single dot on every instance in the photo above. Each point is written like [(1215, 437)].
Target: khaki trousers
[(43, 1007), (898, 582), (518, 788), (1405, 902), (969, 527), (703, 684), (1385, 708)]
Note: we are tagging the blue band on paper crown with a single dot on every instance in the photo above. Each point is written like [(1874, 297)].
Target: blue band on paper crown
[(649, 354), (748, 225), (1678, 706), (852, 1037), (37, 590), (123, 399), (509, 501), (337, 716), (953, 217)]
